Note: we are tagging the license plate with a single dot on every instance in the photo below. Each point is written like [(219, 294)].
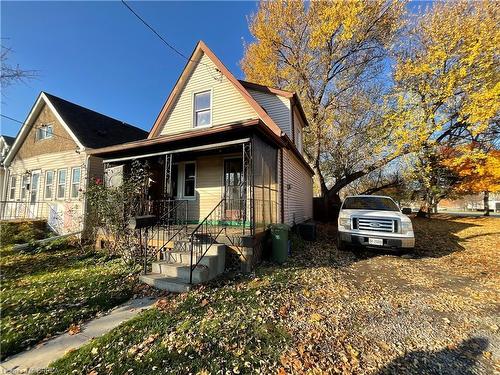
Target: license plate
[(376, 241)]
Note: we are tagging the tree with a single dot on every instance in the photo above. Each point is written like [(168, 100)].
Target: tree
[(447, 76), (11, 74), (478, 171), (333, 54), (447, 87)]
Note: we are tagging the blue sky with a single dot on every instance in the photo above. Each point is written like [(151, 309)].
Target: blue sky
[(97, 54)]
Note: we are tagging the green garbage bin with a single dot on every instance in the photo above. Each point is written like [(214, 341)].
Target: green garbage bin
[(279, 234)]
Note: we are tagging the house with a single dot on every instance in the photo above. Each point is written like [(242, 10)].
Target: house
[(226, 160), (5, 145), (49, 165)]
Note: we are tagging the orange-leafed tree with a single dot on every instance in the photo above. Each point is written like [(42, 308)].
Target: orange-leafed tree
[(478, 171)]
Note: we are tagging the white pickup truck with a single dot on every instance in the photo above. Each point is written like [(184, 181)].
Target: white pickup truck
[(374, 221)]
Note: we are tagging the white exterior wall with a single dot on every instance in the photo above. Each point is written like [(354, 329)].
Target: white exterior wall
[(228, 105), (277, 107), (298, 190), (69, 210)]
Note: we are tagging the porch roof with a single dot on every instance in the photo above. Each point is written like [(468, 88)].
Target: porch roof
[(197, 137)]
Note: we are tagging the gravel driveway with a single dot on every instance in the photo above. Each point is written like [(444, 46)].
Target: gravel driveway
[(434, 310)]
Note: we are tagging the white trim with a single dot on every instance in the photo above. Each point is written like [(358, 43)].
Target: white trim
[(45, 184), (193, 112), (28, 124), (30, 191), (71, 183), (195, 148), (58, 184), (181, 179), (13, 176)]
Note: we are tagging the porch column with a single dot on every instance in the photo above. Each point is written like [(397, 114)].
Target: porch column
[(168, 176), (247, 182)]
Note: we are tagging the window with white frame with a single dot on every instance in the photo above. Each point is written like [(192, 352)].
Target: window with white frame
[(44, 132), (189, 180), (25, 180), (49, 184), (12, 193), (75, 182), (202, 108), (183, 180), (61, 183)]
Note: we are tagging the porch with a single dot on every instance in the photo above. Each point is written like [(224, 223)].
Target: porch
[(211, 202)]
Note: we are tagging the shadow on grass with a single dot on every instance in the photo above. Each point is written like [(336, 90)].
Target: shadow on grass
[(460, 360)]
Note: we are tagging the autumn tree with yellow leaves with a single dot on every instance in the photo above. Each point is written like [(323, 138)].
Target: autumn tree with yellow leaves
[(444, 89), (477, 171), (447, 85), (332, 54)]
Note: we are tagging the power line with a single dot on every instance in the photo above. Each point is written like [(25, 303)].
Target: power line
[(36, 127), (12, 119), (169, 45)]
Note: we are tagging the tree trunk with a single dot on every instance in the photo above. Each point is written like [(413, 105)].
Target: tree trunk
[(486, 203)]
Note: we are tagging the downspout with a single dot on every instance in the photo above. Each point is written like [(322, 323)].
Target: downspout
[(282, 191)]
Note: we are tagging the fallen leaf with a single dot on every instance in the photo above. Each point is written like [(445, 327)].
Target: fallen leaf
[(74, 329), (204, 302), (315, 317)]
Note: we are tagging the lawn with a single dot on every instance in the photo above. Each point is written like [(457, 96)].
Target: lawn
[(434, 310), (44, 292)]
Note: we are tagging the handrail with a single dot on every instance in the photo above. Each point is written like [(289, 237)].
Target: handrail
[(165, 224), (206, 217), (201, 230)]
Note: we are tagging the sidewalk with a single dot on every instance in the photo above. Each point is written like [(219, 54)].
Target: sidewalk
[(40, 356)]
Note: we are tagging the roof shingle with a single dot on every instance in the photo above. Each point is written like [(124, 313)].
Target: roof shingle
[(93, 129)]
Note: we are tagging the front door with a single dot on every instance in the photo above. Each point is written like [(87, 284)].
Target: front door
[(33, 197), (234, 189)]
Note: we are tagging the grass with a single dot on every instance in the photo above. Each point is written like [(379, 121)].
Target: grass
[(43, 292), (229, 327)]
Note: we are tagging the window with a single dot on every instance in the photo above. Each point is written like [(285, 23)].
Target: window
[(24, 186), (44, 132), (49, 184), (61, 183), (370, 203), (298, 139), (189, 179), (12, 194), (75, 182), (202, 108)]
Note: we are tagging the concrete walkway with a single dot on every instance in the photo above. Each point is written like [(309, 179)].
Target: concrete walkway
[(41, 355)]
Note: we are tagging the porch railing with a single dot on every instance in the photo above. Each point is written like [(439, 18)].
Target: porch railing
[(171, 221), (12, 210), (205, 235)]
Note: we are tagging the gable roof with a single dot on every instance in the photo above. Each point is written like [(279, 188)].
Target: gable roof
[(89, 129), (9, 141), (93, 129), (201, 48)]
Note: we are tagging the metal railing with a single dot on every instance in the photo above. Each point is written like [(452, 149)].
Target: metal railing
[(171, 222), (205, 235), (12, 210)]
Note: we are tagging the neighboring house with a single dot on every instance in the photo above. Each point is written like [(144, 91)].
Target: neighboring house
[(473, 202), (228, 153), (6, 143), (48, 165)]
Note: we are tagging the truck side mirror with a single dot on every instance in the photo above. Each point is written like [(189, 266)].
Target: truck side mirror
[(406, 210)]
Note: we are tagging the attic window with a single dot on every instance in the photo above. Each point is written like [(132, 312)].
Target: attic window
[(202, 109), (44, 132)]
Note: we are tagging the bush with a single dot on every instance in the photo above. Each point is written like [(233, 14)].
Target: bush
[(22, 232)]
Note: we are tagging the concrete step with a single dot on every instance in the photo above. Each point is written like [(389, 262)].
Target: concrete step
[(181, 271), (162, 282)]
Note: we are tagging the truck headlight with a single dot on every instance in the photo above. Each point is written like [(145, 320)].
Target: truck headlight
[(406, 227), (345, 222)]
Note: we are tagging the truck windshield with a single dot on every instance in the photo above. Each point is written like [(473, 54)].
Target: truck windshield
[(370, 203)]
